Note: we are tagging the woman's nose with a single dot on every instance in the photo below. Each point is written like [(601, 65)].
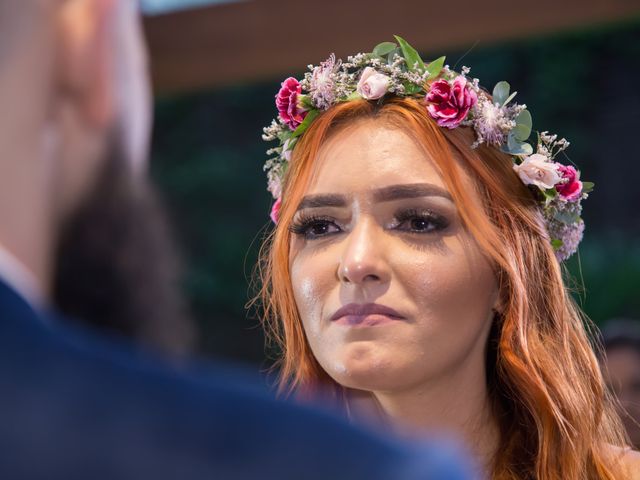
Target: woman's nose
[(363, 258)]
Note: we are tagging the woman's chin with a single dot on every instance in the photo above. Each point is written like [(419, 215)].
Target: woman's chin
[(366, 366)]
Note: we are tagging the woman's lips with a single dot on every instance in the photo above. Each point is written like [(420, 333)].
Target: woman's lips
[(366, 315)]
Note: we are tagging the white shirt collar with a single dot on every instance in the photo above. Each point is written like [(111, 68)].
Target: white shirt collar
[(15, 274)]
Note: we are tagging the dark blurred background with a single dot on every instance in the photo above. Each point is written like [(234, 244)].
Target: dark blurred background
[(218, 66)]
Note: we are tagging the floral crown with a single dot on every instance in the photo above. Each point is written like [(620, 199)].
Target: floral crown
[(452, 100)]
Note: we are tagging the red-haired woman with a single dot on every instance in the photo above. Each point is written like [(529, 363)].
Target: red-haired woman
[(415, 267)]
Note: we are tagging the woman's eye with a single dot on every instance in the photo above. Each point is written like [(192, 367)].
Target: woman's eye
[(420, 222), (315, 228)]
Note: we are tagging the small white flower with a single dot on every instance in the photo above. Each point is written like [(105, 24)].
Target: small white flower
[(274, 182), (372, 85), (539, 171), (287, 149)]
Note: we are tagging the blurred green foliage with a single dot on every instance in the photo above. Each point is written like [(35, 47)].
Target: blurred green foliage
[(208, 157)]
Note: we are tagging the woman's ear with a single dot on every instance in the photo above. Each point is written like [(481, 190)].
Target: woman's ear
[(500, 303), (86, 58)]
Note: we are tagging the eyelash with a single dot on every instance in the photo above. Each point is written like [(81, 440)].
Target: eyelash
[(437, 221), (303, 225)]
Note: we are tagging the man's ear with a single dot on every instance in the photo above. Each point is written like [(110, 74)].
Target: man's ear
[(87, 57)]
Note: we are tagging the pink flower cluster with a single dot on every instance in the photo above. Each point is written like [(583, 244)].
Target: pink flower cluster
[(449, 103), (538, 170), (288, 103), (275, 211), (570, 188)]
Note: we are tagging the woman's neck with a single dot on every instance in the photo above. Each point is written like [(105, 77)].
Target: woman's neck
[(448, 407)]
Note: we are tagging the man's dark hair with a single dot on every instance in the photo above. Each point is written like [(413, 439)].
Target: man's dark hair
[(116, 265)]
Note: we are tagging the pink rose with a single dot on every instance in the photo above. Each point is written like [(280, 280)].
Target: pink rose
[(372, 85), (287, 101), (537, 170), (275, 211), (450, 104), (571, 188)]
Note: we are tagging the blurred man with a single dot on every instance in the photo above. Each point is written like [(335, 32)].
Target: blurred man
[(74, 123), (621, 340)]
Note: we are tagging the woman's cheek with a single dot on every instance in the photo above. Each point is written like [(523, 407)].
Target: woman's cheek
[(311, 288)]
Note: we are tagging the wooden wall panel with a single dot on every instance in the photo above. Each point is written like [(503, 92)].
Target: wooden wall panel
[(263, 39)]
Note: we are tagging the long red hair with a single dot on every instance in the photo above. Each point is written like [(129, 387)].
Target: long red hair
[(556, 419)]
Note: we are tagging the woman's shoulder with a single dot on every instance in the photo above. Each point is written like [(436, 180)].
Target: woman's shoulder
[(631, 461)]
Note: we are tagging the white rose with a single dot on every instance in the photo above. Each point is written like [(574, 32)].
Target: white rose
[(372, 85), (538, 170)]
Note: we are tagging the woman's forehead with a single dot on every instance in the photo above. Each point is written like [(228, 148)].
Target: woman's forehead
[(371, 155)]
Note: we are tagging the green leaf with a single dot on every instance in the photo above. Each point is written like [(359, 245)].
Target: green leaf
[(522, 129), (384, 48), (524, 118), (556, 243), (550, 194), (517, 147), (393, 53), (285, 135), (501, 92), (410, 55), (353, 96), (412, 88), (587, 187), (434, 68), (305, 124), (306, 101), (521, 132), (567, 217), (511, 97)]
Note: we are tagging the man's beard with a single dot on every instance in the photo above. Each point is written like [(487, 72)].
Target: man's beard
[(116, 266)]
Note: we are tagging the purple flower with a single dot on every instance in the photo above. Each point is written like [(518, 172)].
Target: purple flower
[(569, 234), (322, 84)]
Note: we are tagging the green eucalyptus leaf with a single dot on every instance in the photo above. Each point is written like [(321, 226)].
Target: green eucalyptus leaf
[(587, 187), (524, 118), (517, 147), (522, 129), (384, 48), (410, 55), (521, 132), (393, 53), (566, 217), (511, 97), (501, 92), (311, 115), (434, 68)]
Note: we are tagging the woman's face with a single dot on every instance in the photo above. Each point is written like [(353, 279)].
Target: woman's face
[(392, 291)]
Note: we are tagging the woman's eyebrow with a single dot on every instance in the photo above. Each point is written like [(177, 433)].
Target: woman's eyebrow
[(322, 200), (385, 194), (412, 190)]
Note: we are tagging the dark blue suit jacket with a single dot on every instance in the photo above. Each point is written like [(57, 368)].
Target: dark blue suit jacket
[(77, 407)]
